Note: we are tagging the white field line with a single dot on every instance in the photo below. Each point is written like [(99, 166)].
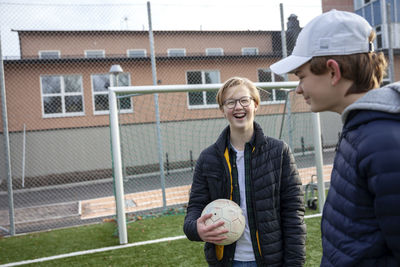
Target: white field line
[(91, 251)]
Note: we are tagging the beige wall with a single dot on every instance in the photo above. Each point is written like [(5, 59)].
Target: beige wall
[(81, 143), (117, 43), (396, 67), (345, 5), (22, 77), (24, 92)]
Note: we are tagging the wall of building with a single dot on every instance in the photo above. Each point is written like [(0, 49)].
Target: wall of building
[(396, 67), (345, 5), (116, 43), (72, 155), (24, 100), (73, 148)]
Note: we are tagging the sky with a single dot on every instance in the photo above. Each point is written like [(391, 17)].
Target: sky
[(133, 15)]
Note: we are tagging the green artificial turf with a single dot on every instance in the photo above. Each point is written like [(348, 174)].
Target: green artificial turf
[(181, 252)]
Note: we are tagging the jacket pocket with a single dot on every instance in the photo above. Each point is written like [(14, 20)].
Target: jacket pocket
[(215, 186)]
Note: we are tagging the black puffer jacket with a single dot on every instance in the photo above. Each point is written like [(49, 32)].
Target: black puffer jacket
[(277, 199)]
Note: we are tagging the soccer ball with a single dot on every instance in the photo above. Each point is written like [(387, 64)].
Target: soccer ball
[(231, 214)]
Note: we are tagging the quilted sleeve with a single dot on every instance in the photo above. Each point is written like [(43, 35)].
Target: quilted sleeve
[(197, 201), (292, 211)]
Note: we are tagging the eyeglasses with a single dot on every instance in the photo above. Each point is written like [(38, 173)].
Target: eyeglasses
[(244, 102)]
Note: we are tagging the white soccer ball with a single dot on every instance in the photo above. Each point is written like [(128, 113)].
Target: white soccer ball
[(231, 214)]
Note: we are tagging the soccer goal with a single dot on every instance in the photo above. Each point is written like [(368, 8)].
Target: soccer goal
[(157, 133)]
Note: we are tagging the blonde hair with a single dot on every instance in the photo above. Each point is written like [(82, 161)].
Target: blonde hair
[(236, 81), (366, 70)]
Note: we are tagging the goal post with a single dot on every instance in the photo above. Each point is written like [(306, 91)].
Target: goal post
[(187, 128)]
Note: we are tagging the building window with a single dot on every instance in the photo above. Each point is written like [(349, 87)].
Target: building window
[(368, 14), (214, 52), (94, 53), (386, 79), (379, 44), (362, 3), (100, 84), (376, 10), (62, 95), (136, 53), (53, 54), (202, 99), (176, 52), (358, 4), (249, 51), (266, 75)]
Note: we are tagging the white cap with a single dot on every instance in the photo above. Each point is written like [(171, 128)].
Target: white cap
[(331, 33)]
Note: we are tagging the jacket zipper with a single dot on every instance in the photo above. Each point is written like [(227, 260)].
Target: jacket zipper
[(254, 202), (341, 136)]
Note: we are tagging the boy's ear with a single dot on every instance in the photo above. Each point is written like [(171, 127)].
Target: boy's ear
[(334, 70), (222, 111)]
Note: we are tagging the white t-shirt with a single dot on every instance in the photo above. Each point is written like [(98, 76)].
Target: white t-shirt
[(244, 248)]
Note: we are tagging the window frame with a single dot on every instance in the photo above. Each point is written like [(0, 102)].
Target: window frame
[(248, 48), (105, 92), (136, 50), (211, 51), (204, 105), (385, 79), (378, 42), (272, 98), (359, 4), (62, 94), (170, 50), (40, 53), (103, 53)]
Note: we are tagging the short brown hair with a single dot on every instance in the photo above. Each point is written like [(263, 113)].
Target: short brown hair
[(235, 81), (366, 70)]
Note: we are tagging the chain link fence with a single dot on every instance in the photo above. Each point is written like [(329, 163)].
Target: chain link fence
[(56, 135)]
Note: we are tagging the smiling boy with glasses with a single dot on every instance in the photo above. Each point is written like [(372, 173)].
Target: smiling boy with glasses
[(259, 174)]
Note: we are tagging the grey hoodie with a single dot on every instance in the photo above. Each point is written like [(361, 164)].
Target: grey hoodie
[(386, 99)]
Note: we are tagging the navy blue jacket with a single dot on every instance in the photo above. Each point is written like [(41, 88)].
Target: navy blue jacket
[(361, 217)]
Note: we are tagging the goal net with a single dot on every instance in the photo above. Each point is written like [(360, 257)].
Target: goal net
[(158, 133)]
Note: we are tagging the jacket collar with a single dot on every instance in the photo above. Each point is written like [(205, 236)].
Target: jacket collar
[(382, 100), (223, 140)]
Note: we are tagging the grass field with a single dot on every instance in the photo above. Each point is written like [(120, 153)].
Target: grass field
[(170, 253)]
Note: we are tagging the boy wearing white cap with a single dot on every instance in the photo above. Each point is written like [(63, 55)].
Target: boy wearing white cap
[(340, 72)]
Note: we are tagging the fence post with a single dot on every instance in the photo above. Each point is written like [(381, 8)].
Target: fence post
[(283, 37), (7, 146), (389, 39), (159, 137)]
